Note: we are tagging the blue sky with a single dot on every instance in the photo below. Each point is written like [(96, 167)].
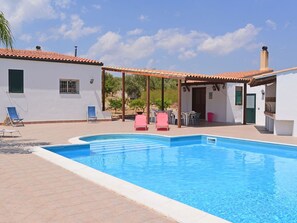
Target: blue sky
[(198, 36)]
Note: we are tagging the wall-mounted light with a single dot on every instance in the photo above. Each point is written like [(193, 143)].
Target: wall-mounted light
[(263, 94), (224, 86), (91, 80), (214, 88), (184, 89)]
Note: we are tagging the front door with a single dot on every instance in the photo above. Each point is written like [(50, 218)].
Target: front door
[(199, 100), (250, 108)]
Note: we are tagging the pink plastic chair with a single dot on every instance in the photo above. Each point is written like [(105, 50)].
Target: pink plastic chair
[(162, 121), (140, 122)]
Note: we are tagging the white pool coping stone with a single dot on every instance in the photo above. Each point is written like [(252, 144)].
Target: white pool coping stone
[(173, 209)]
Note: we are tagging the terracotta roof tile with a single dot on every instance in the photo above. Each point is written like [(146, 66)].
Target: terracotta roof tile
[(45, 56), (244, 74)]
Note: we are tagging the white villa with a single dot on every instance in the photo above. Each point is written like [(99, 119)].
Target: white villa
[(51, 87), (280, 101), (225, 100), (48, 86)]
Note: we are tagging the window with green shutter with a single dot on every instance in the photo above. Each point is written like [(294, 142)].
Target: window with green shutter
[(15, 81), (238, 95)]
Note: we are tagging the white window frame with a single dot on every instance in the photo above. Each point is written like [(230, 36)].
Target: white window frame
[(68, 89)]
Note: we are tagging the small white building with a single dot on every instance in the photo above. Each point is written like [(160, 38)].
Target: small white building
[(226, 100), (280, 101), (48, 86)]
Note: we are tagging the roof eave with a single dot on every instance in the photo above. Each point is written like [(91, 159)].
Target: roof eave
[(51, 60)]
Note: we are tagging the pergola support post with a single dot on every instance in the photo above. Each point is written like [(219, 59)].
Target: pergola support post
[(123, 96), (179, 103), (244, 102), (148, 89), (103, 89), (162, 94)]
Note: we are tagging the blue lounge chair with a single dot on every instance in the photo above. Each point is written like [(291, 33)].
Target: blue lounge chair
[(92, 113), (13, 117)]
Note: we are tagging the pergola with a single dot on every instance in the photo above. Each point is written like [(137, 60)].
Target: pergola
[(183, 78)]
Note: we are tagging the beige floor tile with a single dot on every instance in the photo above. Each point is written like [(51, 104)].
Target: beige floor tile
[(35, 190)]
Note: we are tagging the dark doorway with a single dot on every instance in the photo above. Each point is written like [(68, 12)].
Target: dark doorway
[(251, 108), (199, 100)]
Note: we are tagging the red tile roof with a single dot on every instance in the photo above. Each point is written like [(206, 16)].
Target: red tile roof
[(269, 77), (244, 74), (41, 55)]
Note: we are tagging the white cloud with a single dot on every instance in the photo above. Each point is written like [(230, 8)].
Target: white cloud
[(115, 49), (230, 41), (175, 40), (150, 64), (44, 37), (143, 18), (76, 29), (26, 38), (134, 32), (63, 3), (271, 24), (187, 54), (18, 12), (96, 6)]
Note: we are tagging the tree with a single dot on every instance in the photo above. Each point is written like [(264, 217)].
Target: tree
[(137, 104), (115, 103), (6, 37), (158, 103), (112, 84), (133, 86)]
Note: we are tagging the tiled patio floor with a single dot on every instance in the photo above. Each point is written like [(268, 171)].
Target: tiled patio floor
[(34, 190)]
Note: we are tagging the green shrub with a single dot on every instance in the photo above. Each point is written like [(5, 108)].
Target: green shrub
[(158, 103), (169, 94), (137, 104), (115, 103)]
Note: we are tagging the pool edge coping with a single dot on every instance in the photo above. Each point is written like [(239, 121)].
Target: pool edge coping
[(166, 206)]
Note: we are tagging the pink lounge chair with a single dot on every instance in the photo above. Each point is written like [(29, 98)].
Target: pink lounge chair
[(140, 122), (162, 121)]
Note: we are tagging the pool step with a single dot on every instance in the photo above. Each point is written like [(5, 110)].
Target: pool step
[(112, 146)]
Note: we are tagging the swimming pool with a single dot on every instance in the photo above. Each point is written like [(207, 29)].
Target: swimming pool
[(238, 180)]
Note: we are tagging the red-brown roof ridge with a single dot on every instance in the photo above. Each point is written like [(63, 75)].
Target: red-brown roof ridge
[(244, 74), (41, 55)]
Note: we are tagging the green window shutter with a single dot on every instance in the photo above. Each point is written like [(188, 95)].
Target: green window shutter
[(15, 81), (238, 95)]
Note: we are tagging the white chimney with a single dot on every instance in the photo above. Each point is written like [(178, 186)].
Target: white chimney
[(264, 58)]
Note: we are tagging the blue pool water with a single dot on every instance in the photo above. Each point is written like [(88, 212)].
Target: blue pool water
[(238, 180)]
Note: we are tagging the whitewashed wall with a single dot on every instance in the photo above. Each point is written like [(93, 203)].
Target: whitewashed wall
[(286, 104), (260, 103), (41, 100), (223, 103), (217, 104), (234, 112)]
